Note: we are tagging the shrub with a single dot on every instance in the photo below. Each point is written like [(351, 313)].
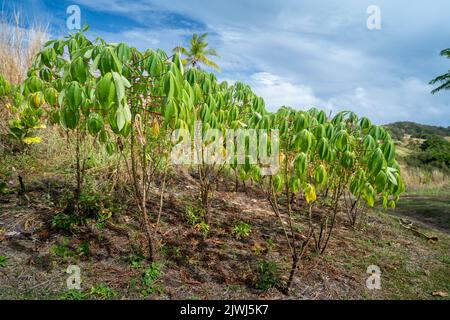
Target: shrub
[(65, 221)]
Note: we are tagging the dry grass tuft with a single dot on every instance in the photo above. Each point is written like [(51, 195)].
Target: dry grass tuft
[(416, 178), (19, 45)]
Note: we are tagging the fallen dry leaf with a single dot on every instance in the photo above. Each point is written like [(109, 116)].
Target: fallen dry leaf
[(187, 279), (440, 294)]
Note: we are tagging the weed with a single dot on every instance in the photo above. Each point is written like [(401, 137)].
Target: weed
[(83, 249), (133, 283), (136, 259), (63, 221), (203, 228), (270, 244), (445, 259), (257, 249), (102, 291), (168, 250), (149, 277), (102, 218), (90, 203), (3, 261), (234, 287), (195, 219), (73, 294), (191, 216), (92, 208), (62, 250), (268, 275), (3, 187), (241, 230)]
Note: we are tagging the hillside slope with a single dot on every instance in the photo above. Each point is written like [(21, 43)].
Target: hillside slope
[(192, 266), (415, 130)]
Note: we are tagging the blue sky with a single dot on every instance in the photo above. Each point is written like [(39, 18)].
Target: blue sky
[(293, 52)]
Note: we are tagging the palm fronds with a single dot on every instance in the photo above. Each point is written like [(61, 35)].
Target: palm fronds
[(444, 79), (197, 53)]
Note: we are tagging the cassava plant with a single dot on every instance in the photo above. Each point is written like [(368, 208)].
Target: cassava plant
[(141, 104), (210, 114), (329, 161), (131, 101), (111, 92), (22, 116)]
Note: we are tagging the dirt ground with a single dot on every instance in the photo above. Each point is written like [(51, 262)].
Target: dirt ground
[(216, 267)]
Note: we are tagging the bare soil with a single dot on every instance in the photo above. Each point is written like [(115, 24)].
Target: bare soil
[(218, 266)]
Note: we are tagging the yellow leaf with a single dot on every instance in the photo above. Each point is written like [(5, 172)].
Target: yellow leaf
[(31, 140), (310, 193), (38, 99), (155, 128), (224, 152), (282, 157), (40, 126)]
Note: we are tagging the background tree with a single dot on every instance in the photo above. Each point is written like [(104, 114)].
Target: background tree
[(197, 53), (443, 80)]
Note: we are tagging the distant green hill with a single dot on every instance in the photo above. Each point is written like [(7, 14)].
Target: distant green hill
[(423, 146), (399, 129)]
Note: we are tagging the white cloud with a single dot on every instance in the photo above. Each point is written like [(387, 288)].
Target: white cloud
[(407, 100), (278, 91), (134, 8), (143, 39)]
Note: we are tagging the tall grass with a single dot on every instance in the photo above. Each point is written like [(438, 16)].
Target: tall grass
[(18, 45), (419, 179)]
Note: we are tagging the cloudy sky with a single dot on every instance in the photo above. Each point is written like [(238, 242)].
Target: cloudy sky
[(298, 53)]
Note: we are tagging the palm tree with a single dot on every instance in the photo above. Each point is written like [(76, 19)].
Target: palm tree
[(444, 79), (197, 53)]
